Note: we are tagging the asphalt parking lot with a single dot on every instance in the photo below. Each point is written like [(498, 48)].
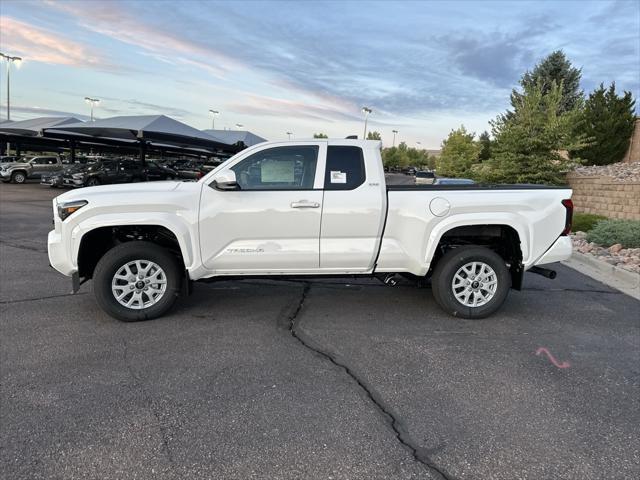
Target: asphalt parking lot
[(336, 379)]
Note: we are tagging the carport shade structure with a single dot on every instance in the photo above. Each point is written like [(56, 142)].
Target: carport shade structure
[(144, 129), (25, 132), (233, 137)]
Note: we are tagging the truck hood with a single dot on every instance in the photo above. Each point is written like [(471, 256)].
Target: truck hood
[(104, 193), (6, 166)]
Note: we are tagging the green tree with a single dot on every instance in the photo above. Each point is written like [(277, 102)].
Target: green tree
[(608, 122), (374, 136), (485, 146), (531, 144), (557, 68), (320, 135), (459, 154)]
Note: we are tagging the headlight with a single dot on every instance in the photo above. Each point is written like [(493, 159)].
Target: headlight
[(67, 208), (78, 175)]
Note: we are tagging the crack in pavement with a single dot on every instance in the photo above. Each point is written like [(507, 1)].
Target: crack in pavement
[(46, 297), (23, 247), (150, 405), (403, 437)]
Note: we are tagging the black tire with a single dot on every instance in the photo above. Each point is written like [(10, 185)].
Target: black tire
[(18, 177), (445, 270), (93, 182), (120, 255)]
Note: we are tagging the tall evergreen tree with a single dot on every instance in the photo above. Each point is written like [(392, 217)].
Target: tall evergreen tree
[(459, 154), (529, 145), (485, 146), (608, 122), (557, 68)]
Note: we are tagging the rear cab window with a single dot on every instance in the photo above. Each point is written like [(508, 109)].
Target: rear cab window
[(345, 168)]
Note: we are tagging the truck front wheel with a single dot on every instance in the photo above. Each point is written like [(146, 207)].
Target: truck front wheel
[(136, 281), (471, 282), (19, 177)]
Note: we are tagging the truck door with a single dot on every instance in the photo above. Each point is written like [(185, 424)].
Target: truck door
[(353, 211), (271, 222), (38, 167)]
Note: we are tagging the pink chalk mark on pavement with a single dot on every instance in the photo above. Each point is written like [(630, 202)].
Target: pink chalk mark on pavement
[(552, 359)]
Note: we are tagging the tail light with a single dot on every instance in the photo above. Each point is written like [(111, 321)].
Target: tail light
[(568, 205)]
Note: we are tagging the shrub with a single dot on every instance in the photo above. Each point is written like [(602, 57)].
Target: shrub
[(610, 232), (584, 222)]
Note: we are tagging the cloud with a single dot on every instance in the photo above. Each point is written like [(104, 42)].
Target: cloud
[(45, 112), (41, 45), (277, 107), (114, 20)]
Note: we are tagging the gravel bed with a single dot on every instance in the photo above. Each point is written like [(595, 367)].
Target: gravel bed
[(626, 258), (622, 172)]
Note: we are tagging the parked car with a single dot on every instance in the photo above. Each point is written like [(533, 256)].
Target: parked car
[(105, 172), (157, 171), (409, 170), (34, 167), (56, 179), (319, 207), (425, 177), (190, 170), (453, 181)]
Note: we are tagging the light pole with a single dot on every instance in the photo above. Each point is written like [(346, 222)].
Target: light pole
[(213, 118), (418, 144), (10, 59), (93, 102), (366, 111), (289, 135), (394, 137)]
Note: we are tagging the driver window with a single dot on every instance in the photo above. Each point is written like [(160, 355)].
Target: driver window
[(278, 168)]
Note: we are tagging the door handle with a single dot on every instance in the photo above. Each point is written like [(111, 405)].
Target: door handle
[(304, 204)]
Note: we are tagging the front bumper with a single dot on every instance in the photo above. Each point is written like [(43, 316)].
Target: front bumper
[(58, 256), (52, 181), (561, 249), (73, 182), (5, 174)]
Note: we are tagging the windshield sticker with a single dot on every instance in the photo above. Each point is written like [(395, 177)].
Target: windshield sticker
[(277, 171), (338, 177)]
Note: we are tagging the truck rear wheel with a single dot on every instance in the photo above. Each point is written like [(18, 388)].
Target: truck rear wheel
[(136, 281), (471, 282)]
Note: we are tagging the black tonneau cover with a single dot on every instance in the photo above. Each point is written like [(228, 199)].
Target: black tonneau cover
[(477, 186)]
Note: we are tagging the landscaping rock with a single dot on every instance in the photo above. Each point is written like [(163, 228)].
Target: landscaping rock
[(625, 258), (623, 172), (615, 248)]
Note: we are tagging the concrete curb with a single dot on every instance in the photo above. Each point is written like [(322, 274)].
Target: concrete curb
[(623, 280)]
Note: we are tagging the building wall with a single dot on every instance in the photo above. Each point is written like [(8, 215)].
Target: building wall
[(605, 196), (633, 154)]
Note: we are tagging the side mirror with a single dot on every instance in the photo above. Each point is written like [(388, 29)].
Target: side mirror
[(225, 180)]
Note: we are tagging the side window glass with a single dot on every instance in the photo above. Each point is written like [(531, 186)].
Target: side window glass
[(345, 168), (278, 168)]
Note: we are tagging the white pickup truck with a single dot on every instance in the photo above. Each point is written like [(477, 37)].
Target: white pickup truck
[(302, 209)]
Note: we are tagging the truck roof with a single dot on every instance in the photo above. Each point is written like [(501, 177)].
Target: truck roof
[(332, 141)]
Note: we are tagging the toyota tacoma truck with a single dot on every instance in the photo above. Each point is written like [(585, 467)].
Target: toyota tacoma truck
[(35, 167), (303, 209)]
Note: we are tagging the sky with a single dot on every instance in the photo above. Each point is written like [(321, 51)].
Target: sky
[(423, 67)]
